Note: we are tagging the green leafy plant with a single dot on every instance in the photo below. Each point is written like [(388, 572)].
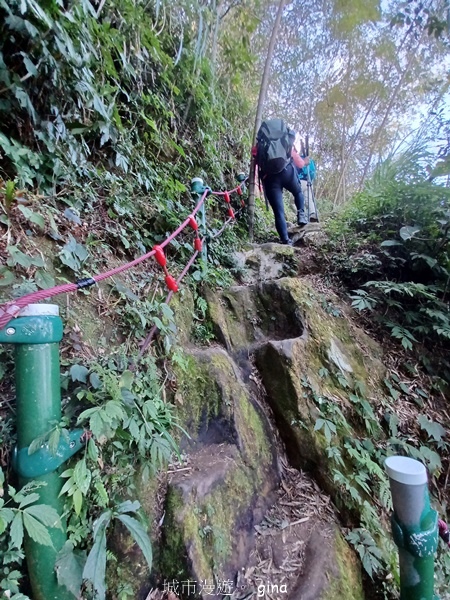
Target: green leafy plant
[(19, 513), (74, 568), (367, 549), (356, 452), (434, 430), (32, 217), (329, 428), (129, 425), (73, 254), (77, 485), (361, 300), (203, 331), (9, 194), (34, 518), (95, 567), (367, 414), (17, 257), (396, 251), (129, 406)]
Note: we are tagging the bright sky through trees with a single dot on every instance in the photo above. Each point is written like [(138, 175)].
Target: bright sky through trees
[(361, 78)]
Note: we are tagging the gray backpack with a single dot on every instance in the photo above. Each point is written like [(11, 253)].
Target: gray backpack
[(274, 145)]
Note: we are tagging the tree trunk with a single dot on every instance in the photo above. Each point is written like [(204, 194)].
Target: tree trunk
[(350, 150), (387, 112), (258, 119), (215, 38), (341, 183)]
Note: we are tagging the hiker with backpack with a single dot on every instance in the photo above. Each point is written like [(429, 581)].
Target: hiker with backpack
[(277, 162)]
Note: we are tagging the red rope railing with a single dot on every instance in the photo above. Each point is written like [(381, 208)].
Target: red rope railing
[(11, 309), (169, 297)]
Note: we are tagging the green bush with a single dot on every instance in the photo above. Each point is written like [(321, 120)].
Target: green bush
[(390, 247)]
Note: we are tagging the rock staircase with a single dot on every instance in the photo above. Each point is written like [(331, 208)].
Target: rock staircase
[(249, 512)]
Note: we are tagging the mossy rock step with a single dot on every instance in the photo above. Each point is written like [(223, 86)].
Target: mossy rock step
[(331, 570), (213, 505), (263, 262), (305, 347), (211, 512), (217, 407), (245, 317), (330, 360)]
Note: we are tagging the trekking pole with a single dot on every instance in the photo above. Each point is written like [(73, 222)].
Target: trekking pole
[(309, 186), (311, 198), (304, 152), (262, 187), (308, 189), (265, 196), (308, 177), (414, 527), (314, 201)]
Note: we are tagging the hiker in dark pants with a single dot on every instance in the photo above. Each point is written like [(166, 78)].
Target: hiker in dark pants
[(276, 156), (274, 185)]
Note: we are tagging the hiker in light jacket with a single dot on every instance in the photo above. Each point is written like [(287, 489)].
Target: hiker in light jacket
[(306, 176)]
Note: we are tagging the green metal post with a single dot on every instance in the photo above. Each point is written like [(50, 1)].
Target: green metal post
[(414, 527), (36, 335), (197, 189), (241, 177)]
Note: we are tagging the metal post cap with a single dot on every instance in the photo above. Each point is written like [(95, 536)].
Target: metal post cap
[(38, 310), (406, 470), (197, 185)]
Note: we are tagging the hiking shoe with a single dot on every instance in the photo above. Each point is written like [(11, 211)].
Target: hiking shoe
[(301, 218), (287, 242)]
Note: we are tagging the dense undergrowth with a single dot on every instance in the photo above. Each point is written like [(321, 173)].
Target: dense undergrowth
[(107, 111), (390, 249), (388, 254)]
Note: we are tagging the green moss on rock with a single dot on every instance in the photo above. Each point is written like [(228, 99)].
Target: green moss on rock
[(211, 512), (307, 351), (173, 559), (323, 328), (200, 399), (211, 389), (347, 583), (201, 536), (183, 310), (253, 433)]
